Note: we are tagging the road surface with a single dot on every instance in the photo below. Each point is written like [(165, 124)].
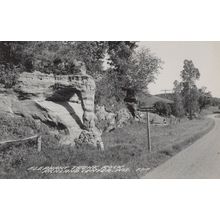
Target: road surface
[(201, 160)]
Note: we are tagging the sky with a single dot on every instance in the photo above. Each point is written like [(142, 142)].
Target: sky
[(205, 56)]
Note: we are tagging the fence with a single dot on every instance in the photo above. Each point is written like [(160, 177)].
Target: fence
[(37, 137)]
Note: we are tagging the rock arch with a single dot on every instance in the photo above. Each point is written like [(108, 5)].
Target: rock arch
[(47, 87)]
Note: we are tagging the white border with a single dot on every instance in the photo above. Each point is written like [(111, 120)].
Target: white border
[(110, 20)]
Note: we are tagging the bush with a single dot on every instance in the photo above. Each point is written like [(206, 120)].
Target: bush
[(17, 157), (162, 108), (8, 75)]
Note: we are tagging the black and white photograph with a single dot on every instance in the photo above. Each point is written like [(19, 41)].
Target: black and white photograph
[(109, 110)]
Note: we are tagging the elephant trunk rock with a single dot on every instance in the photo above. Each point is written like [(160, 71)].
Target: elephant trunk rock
[(62, 90)]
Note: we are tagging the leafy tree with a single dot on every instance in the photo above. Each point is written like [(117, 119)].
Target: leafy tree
[(190, 97), (8, 75), (92, 54), (189, 73), (141, 69), (205, 98), (11, 57), (11, 52), (190, 92), (120, 52), (162, 108), (119, 56), (177, 107), (127, 68)]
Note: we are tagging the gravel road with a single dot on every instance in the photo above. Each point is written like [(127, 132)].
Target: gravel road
[(201, 160)]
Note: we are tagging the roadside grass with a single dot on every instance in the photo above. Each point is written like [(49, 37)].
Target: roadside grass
[(210, 110), (124, 147), (166, 142)]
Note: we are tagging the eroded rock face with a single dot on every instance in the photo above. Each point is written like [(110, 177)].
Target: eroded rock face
[(35, 85), (63, 118), (65, 102), (123, 116), (106, 120), (84, 86), (5, 105)]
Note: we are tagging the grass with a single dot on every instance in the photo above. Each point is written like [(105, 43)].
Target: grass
[(124, 147), (210, 110)]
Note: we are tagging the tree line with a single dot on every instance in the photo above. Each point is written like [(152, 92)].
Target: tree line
[(187, 97), (113, 64)]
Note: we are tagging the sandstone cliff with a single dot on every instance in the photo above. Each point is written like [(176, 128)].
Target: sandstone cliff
[(63, 103)]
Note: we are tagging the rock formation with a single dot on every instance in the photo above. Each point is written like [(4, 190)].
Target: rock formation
[(62, 101), (106, 120)]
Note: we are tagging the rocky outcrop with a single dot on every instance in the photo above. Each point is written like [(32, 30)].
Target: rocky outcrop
[(35, 85), (6, 104), (106, 121), (123, 116), (65, 103)]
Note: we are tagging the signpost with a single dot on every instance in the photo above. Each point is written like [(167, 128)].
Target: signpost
[(148, 132), (148, 110)]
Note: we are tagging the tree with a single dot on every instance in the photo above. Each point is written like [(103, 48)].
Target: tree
[(177, 107), (205, 98), (8, 75), (11, 52), (162, 108), (120, 52), (135, 74), (190, 97), (92, 54), (143, 69), (190, 93), (57, 57), (189, 73), (127, 68), (11, 57), (119, 60)]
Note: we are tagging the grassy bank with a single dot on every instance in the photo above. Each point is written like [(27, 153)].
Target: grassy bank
[(124, 147)]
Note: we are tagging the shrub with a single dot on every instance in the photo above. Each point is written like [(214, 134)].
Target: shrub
[(162, 108), (8, 75), (16, 157)]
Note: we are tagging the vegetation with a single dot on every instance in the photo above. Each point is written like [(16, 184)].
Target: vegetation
[(205, 99), (162, 108), (189, 91), (17, 156), (140, 70), (177, 108), (188, 99), (125, 147), (126, 67), (116, 66)]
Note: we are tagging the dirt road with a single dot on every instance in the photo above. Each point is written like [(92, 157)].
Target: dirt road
[(201, 160)]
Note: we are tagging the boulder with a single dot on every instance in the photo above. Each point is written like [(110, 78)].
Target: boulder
[(106, 120), (90, 138), (122, 117), (156, 119)]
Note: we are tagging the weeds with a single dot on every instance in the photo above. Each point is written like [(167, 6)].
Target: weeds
[(125, 146)]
